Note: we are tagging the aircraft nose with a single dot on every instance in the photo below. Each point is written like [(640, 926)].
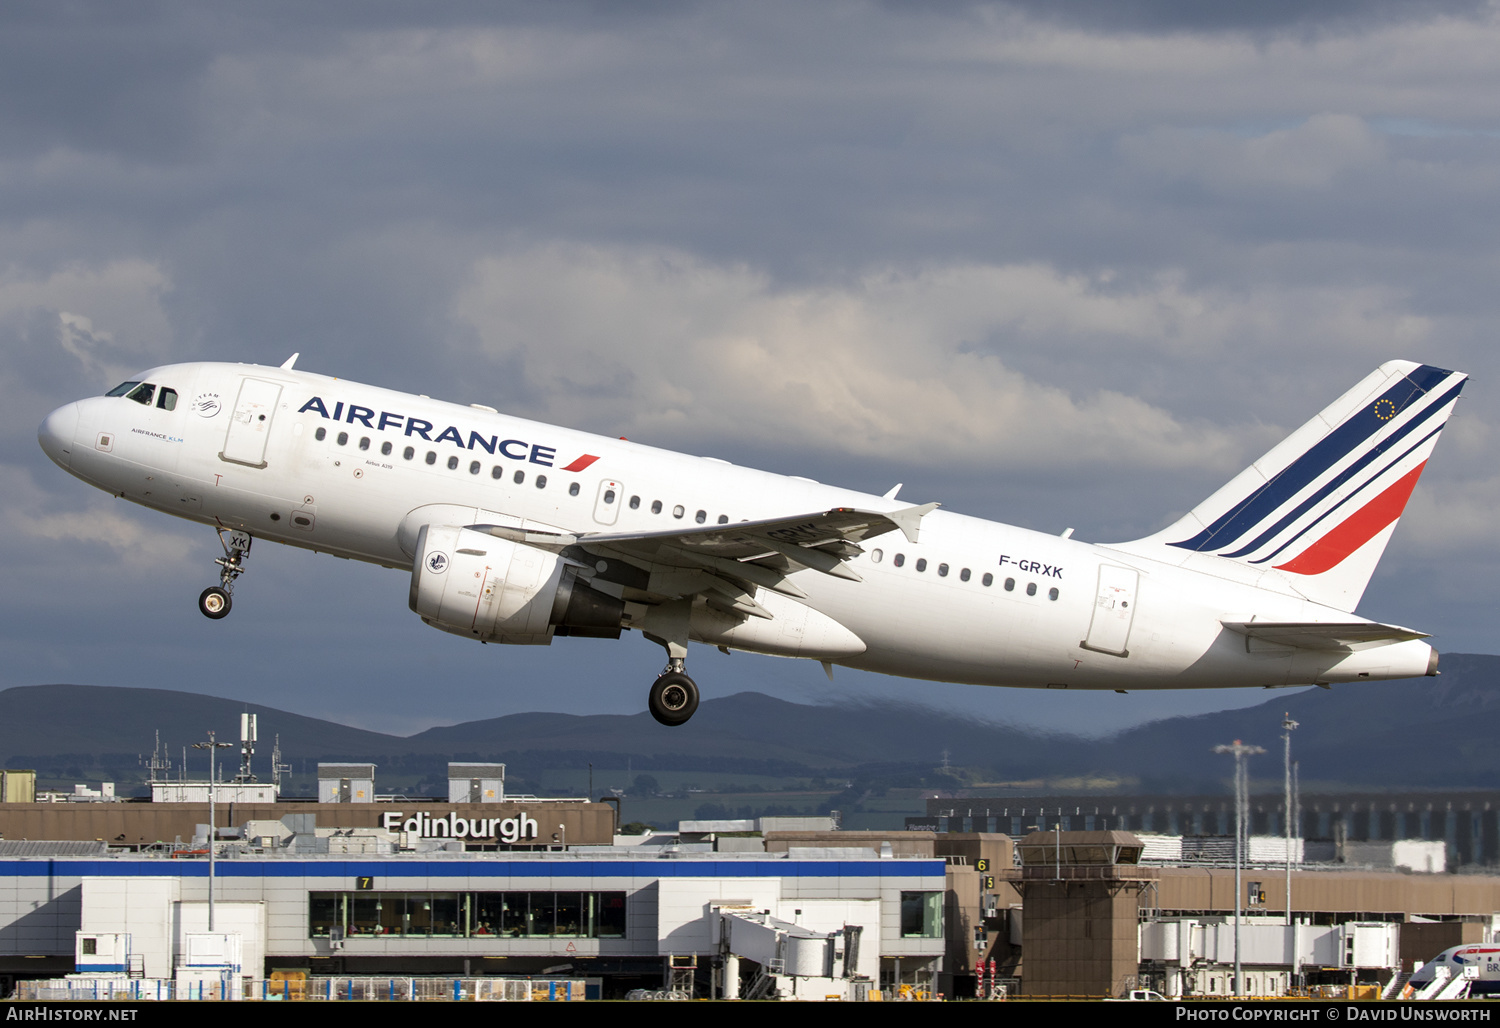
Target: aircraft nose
[(57, 432)]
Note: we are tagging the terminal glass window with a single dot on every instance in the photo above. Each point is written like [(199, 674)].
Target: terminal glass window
[(458, 915), (921, 915)]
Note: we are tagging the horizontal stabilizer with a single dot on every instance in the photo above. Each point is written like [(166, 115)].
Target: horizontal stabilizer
[(1322, 635)]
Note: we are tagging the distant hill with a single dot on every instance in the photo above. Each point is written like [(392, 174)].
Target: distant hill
[(1418, 732), (1409, 734)]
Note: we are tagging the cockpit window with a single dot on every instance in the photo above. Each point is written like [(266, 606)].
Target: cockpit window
[(122, 388), (167, 400), (142, 394)]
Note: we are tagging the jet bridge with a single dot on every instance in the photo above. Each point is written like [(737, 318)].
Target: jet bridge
[(818, 965)]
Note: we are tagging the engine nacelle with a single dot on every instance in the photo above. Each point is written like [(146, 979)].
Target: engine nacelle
[(475, 584)]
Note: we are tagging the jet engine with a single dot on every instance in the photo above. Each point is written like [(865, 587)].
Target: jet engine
[(487, 588)]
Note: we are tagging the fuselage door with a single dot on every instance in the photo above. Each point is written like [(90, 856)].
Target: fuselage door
[(607, 506), (250, 427), (1114, 609)]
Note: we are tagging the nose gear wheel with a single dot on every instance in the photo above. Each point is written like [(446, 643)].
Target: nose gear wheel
[(214, 602)]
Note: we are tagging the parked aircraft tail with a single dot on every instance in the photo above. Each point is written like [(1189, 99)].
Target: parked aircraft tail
[(1321, 506)]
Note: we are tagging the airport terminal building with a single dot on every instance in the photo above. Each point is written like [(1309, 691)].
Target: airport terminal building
[(350, 897)]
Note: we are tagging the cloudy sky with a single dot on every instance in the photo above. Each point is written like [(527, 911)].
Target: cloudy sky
[(1062, 264)]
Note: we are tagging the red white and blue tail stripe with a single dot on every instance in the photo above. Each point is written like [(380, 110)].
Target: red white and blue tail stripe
[(1321, 506)]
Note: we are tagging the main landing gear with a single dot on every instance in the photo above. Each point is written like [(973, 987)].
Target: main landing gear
[(214, 601), (674, 696)]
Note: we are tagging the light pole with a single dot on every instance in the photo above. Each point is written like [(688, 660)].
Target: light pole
[(1241, 786), (1287, 726), (213, 830)]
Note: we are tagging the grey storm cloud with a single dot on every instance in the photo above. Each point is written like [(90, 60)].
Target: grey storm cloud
[(1063, 264)]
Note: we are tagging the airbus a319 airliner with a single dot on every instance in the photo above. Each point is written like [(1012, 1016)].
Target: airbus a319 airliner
[(517, 532)]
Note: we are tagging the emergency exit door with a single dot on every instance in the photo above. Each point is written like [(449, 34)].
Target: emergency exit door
[(607, 505)]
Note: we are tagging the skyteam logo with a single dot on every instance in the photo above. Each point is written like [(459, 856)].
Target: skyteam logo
[(437, 563), (1333, 490)]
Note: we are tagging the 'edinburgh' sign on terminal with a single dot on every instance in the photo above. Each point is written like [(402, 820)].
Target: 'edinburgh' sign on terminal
[(452, 826)]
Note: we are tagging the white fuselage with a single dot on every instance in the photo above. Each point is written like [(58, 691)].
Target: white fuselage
[(972, 601)]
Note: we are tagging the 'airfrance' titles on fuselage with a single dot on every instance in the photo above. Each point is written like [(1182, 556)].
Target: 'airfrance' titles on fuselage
[(382, 421)]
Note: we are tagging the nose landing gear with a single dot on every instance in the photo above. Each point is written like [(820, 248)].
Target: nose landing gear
[(215, 601), (674, 696)]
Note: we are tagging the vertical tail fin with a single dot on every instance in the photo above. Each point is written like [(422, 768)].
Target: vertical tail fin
[(1321, 506)]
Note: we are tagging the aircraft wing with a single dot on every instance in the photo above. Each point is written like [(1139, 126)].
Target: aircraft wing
[(730, 560), (1322, 635)]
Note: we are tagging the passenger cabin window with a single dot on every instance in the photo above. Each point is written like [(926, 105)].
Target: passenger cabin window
[(364, 442), (497, 472), (942, 570), (431, 457), (1052, 594), (408, 453), (875, 556), (635, 503), (167, 400), (541, 481), (723, 519), (385, 449), (572, 488), (921, 563), (609, 496), (474, 467), (678, 511), (1030, 588), (701, 516), (656, 506), (452, 463), (320, 434), (899, 559), (1010, 585), (519, 477), (963, 576), (988, 580), (343, 439)]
